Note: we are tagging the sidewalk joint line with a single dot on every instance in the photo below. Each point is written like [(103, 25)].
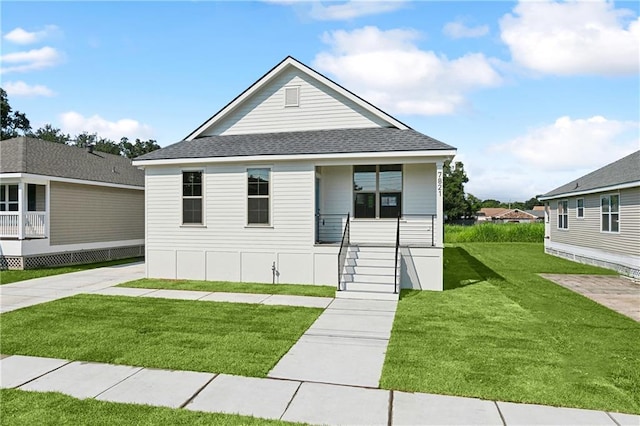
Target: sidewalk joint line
[(504, 422), (139, 369), (44, 374), (290, 401), (390, 418), (199, 390), (612, 418)]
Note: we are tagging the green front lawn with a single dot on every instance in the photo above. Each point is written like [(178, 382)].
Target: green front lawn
[(38, 408), (12, 276), (232, 338), (501, 332), (234, 287)]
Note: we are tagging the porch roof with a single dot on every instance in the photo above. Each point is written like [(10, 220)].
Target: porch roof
[(35, 156), (334, 141)]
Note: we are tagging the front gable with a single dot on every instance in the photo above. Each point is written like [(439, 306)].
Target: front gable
[(320, 104)]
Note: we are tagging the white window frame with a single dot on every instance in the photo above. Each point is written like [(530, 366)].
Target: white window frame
[(268, 197), (201, 197), (609, 213), (565, 215), (580, 209), (6, 203), (297, 91)]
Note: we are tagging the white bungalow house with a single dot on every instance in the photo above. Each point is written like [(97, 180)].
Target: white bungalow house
[(62, 205), (595, 219), (298, 180)]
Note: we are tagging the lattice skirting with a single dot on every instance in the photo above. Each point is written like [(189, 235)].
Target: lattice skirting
[(621, 269), (70, 258)]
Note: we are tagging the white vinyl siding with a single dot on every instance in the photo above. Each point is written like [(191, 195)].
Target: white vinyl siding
[(587, 232), (419, 196), (319, 108)]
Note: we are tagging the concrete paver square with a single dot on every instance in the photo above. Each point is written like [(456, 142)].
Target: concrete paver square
[(626, 419), (81, 379), (364, 305), (235, 297), (339, 360), (427, 409), (304, 301), (318, 403), (178, 294), (334, 322), (16, 370), (249, 396), (530, 414), (157, 387), (123, 291)]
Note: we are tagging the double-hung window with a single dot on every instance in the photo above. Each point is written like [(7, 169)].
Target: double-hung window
[(610, 213), (563, 215), (8, 198), (258, 183), (580, 208), (192, 198)]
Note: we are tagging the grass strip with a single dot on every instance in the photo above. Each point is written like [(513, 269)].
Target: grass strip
[(501, 332), (232, 338), (13, 276), (51, 408), (233, 287), (495, 233)]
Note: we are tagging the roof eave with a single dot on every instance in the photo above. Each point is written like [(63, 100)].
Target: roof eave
[(590, 191)]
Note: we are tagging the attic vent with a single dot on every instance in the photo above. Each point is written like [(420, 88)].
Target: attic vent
[(292, 96)]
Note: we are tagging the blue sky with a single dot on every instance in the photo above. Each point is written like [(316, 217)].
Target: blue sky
[(532, 94)]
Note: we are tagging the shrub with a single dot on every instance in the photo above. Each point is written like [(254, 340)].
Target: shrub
[(495, 233)]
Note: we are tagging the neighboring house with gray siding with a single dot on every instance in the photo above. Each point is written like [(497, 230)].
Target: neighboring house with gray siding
[(595, 219), (298, 180), (61, 205)]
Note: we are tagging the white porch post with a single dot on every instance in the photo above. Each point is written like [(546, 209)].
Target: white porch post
[(439, 204), (47, 203), (21, 210)]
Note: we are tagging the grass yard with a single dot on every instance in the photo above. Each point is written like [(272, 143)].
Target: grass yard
[(495, 233), (233, 338), (13, 276), (38, 408), (499, 331), (234, 287)]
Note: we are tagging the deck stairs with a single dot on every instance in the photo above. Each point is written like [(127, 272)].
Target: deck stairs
[(369, 273)]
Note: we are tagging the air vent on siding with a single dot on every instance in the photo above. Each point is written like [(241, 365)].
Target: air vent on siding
[(292, 96)]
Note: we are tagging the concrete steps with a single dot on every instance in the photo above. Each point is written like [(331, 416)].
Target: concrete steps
[(369, 274)]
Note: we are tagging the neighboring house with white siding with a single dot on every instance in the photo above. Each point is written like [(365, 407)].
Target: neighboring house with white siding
[(595, 219), (61, 205), (298, 180)]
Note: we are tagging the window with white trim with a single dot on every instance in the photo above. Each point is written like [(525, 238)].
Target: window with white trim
[(563, 215), (8, 198), (580, 208), (192, 198), (292, 96), (258, 182), (610, 213)]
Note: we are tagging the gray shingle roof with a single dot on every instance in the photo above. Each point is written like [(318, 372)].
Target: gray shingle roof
[(29, 155), (625, 170), (335, 141)]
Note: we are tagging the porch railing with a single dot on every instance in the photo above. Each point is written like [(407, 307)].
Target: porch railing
[(395, 265), (329, 228), (33, 225), (344, 248)]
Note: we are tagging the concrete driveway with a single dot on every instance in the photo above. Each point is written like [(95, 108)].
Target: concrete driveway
[(617, 293)]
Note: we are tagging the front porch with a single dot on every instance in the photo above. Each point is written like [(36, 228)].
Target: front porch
[(23, 210)]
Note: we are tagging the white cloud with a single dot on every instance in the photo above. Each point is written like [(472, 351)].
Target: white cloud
[(549, 156), (20, 88), (75, 123), (389, 70), (458, 29), (573, 37), (21, 36), (352, 9), (34, 59)]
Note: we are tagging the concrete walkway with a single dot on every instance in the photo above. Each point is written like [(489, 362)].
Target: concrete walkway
[(617, 293), (346, 345), (290, 400), (39, 290)]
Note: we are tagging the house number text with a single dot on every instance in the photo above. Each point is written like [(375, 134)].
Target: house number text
[(439, 183)]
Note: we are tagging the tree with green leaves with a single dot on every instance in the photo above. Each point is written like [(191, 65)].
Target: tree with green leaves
[(51, 134), (99, 144), (136, 149), (475, 204), (14, 123), (456, 205)]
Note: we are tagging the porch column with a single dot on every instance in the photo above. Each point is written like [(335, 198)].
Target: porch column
[(439, 231), (21, 210)]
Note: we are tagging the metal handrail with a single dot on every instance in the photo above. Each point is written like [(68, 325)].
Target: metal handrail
[(342, 254), (395, 275)]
